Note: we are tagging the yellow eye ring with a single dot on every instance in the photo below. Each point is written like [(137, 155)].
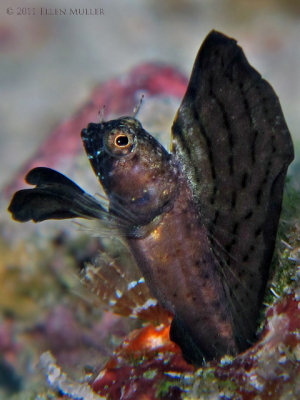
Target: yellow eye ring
[(122, 141)]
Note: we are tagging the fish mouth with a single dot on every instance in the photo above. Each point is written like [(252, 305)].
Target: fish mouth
[(93, 141), (92, 137)]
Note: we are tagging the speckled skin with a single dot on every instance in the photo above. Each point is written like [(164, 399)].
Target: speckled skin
[(182, 272)]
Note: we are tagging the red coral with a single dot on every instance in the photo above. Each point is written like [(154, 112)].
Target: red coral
[(143, 367), (269, 369)]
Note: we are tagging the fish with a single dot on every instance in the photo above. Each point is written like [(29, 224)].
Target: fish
[(201, 219)]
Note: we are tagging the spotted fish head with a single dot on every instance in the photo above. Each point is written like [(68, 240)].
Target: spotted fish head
[(136, 172)]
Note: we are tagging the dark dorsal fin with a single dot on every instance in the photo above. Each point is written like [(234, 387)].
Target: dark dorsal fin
[(233, 144)]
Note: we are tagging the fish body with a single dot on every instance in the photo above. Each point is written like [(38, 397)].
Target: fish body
[(164, 232)]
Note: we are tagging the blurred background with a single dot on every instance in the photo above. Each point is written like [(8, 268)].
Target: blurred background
[(49, 64)]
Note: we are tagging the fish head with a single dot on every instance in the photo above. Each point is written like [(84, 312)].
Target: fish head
[(138, 175)]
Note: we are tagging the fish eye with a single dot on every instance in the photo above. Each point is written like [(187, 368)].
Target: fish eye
[(121, 141)]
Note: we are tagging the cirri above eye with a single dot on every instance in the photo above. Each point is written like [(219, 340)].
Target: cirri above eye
[(120, 143)]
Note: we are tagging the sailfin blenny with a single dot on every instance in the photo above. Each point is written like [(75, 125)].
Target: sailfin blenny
[(200, 221)]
